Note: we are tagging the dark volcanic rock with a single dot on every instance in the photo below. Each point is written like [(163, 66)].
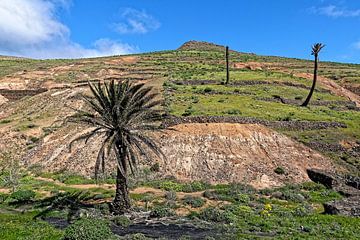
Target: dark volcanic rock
[(329, 180), (346, 207), (353, 181), (348, 186)]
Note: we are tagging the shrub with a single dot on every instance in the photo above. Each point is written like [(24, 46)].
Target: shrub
[(155, 167), (88, 229), (294, 196), (171, 196), (23, 195), (279, 170), (188, 111), (243, 198), (170, 186), (210, 194), (303, 210), (194, 202), (194, 187), (312, 186), (3, 197), (232, 112), (207, 90), (122, 221), (216, 215), (160, 211)]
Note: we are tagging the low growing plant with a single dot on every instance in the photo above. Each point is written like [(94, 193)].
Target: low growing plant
[(89, 229)]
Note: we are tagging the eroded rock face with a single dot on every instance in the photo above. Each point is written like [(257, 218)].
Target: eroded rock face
[(224, 152), (214, 152)]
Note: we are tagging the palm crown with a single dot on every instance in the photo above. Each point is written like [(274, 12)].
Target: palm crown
[(121, 114), (316, 48)]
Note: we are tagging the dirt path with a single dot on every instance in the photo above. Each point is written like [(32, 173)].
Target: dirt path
[(333, 87)]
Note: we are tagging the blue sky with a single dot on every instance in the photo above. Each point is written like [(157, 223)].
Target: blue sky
[(83, 28)]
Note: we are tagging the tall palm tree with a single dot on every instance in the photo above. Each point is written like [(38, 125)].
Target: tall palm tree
[(316, 48), (122, 114)]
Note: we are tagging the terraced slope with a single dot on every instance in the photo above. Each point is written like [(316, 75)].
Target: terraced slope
[(264, 90)]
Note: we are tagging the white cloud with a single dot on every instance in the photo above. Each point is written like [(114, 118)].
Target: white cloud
[(334, 11), (31, 28), (135, 21)]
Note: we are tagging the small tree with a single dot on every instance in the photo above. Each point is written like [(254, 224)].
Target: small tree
[(316, 48), (227, 65), (10, 171), (121, 114)]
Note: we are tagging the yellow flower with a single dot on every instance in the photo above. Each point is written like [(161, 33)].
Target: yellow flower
[(268, 207)]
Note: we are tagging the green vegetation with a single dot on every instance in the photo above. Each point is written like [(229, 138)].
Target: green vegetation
[(89, 229), (23, 226), (291, 211), (194, 202)]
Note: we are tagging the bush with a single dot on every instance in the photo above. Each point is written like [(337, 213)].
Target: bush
[(294, 196), (194, 202), (243, 198), (312, 186), (194, 187), (171, 196), (160, 211), (155, 167), (170, 186), (215, 215), (3, 197), (23, 195), (232, 112), (279, 170), (303, 210), (88, 229), (122, 221), (207, 90), (188, 111)]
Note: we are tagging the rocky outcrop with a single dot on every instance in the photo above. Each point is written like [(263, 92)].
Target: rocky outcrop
[(346, 207), (346, 185)]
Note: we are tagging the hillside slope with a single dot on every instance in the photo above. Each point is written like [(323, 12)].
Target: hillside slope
[(38, 94)]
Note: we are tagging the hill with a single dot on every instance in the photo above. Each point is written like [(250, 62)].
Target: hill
[(37, 94), (237, 156)]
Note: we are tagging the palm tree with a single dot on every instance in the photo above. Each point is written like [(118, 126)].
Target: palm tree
[(121, 113), (227, 65), (316, 48)]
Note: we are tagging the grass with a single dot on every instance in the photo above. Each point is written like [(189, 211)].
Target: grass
[(15, 226), (247, 212)]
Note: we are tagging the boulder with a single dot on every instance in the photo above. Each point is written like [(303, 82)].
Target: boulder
[(353, 181), (348, 186), (329, 180), (346, 207)]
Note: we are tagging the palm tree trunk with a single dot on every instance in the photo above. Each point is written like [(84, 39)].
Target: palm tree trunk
[(121, 202), (227, 65), (314, 83)]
